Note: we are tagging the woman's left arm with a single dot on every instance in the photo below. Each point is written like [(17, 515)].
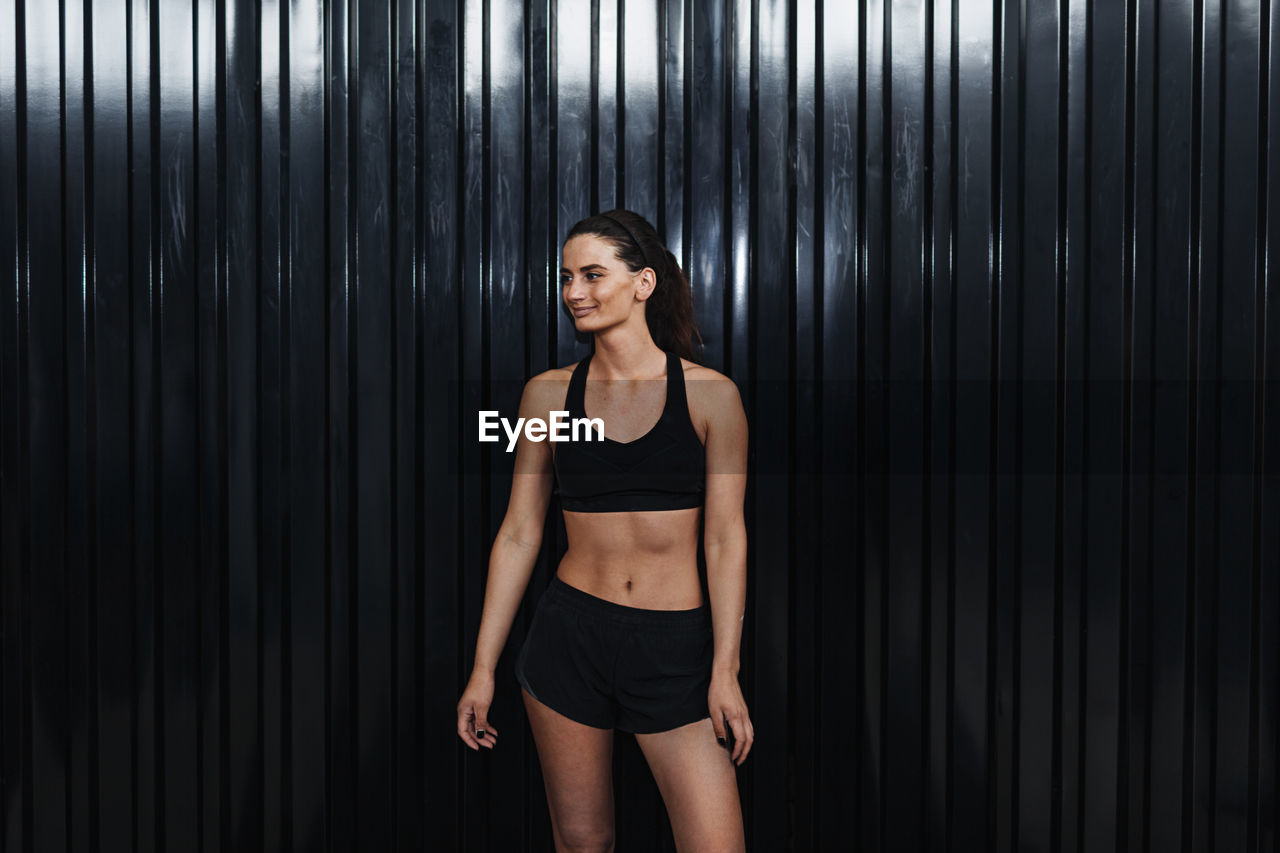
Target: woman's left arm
[(725, 544)]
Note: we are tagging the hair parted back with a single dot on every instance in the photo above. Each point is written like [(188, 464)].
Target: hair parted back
[(669, 309)]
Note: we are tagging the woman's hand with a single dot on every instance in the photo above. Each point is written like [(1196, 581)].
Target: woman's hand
[(473, 712), (729, 714)]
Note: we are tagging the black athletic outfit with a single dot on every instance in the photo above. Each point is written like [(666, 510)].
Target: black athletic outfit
[(606, 664)]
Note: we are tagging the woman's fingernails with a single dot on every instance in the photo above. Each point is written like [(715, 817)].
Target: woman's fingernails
[(720, 740)]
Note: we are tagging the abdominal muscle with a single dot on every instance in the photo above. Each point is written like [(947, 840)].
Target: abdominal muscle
[(640, 559)]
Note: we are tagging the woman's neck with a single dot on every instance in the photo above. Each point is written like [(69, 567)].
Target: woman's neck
[(621, 354)]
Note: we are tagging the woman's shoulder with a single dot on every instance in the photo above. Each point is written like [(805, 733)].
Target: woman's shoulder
[(554, 374), (545, 391), (709, 390), (709, 379)]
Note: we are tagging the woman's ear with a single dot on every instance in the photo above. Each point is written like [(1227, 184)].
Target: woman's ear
[(648, 280)]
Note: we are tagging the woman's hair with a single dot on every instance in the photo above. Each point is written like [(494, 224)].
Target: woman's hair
[(669, 312)]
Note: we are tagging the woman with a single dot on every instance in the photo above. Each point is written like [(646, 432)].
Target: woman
[(622, 637)]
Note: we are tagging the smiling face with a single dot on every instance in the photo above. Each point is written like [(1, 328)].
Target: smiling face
[(597, 287)]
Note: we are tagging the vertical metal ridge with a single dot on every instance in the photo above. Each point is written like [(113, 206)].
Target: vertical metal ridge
[(222, 248), (22, 352), (1061, 283), (953, 276), (861, 277), (156, 327), (928, 281), (1253, 826), (995, 287), (1019, 45), (1124, 748), (1153, 320), (1082, 764), (620, 98), (1220, 223), (819, 346), (355, 284), (394, 562), (133, 549), (328, 797), (1193, 615), (593, 192), (64, 426), (286, 490), (93, 569), (886, 211)]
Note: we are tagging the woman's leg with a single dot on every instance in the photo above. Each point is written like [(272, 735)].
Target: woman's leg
[(577, 771), (698, 785)]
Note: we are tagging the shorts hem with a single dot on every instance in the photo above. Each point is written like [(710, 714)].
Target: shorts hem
[(553, 706), (666, 727)]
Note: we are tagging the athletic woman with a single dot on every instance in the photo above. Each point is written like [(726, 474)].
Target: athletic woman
[(623, 636)]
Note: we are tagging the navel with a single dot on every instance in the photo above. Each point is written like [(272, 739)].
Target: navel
[(628, 586)]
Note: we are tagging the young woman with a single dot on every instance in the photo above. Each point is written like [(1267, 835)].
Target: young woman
[(622, 637)]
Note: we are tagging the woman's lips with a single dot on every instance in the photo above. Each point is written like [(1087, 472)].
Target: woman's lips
[(582, 312)]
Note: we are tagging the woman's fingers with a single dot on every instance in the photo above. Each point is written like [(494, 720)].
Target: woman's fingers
[(465, 716), (475, 729), (744, 735), (487, 734)]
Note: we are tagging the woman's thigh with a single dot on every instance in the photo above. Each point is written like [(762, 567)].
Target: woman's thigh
[(577, 772), (699, 786)]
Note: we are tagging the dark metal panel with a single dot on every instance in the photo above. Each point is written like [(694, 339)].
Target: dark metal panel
[(1265, 806), (341, 106), (176, 424), (1241, 306), (1172, 327), (243, 806), (44, 261), (1104, 585), (372, 399), (839, 721), (992, 279), (902, 350), (708, 235), (273, 343), (938, 402), (78, 337), (111, 691), (975, 206), (15, 723), (803, 733), (870, 426), (767, 366), (1036, 340), (303, 594), (209, 238), (447, 654)]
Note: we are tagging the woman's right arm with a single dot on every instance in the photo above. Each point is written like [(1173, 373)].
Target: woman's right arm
[(512, 558)]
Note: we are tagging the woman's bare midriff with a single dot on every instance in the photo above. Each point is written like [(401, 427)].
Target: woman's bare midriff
[(640, 559)]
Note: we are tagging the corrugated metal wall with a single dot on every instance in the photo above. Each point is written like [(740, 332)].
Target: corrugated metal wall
[(992, 277)]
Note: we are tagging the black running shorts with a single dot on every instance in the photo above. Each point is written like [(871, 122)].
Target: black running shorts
[(610, 666)]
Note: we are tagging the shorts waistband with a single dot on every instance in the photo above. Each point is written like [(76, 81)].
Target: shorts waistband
[(592, 605)]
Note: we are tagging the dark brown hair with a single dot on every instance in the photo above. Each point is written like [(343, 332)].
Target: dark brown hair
[(669, 309)]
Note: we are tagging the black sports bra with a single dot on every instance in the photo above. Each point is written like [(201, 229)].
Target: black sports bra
[(662, 469)]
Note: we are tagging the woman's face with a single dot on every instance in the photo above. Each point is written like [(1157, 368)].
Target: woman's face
[(597, 287)]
